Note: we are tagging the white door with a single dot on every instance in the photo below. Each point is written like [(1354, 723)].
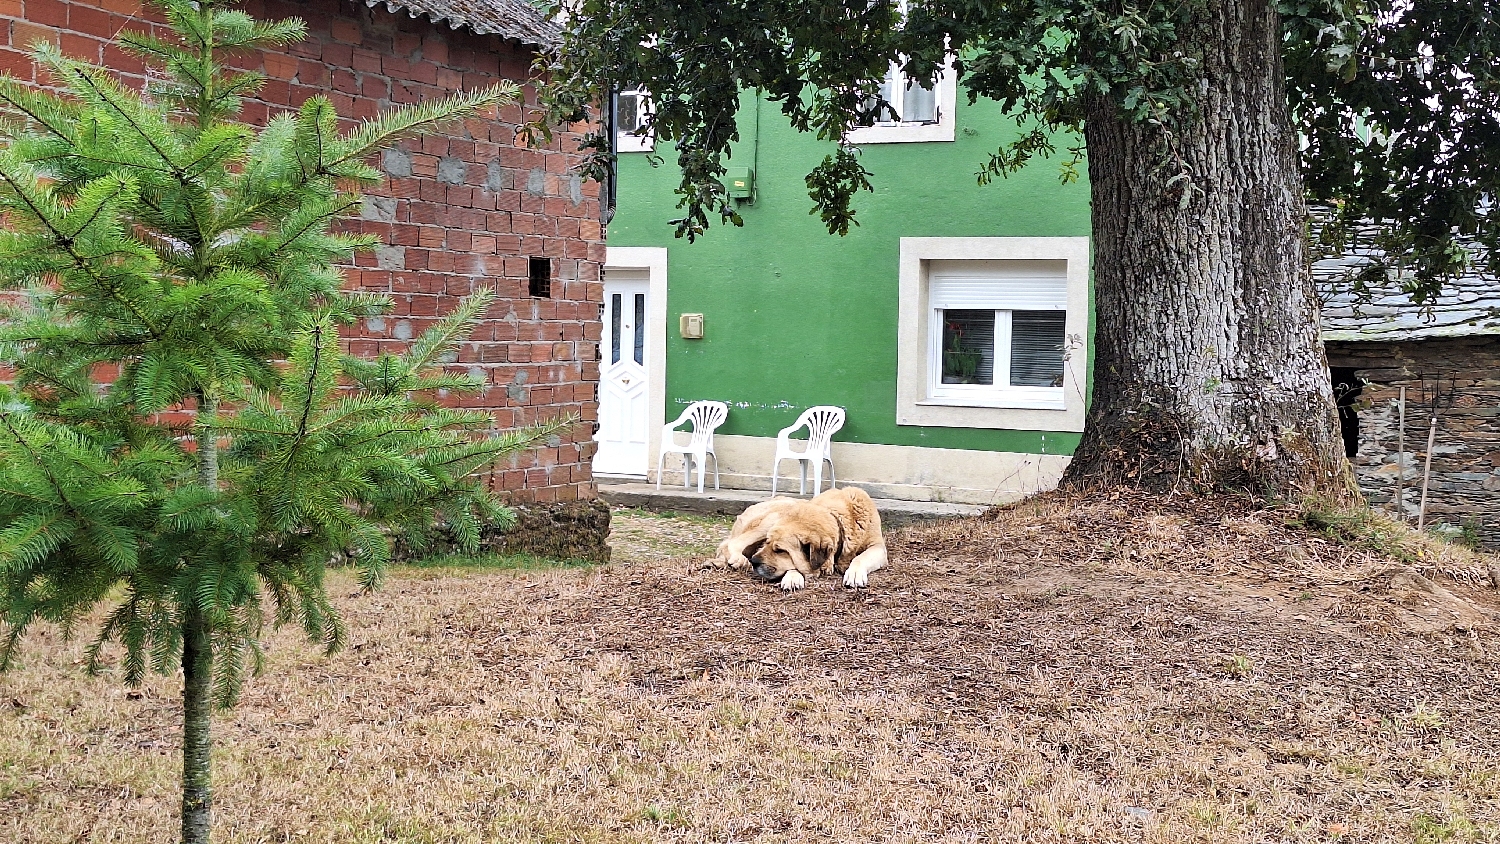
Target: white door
[(623, 409)]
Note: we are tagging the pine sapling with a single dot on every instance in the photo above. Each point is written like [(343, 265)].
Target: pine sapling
[(183, 440)]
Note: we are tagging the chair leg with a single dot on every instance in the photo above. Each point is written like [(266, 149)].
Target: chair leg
[(687, 471), (802, 479), (833, 480), (818, 477), (716, 469), (702, 464), (661, 458), (775, 468)]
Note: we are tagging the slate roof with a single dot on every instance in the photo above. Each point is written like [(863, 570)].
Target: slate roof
[(1468, 306), (517, 20)]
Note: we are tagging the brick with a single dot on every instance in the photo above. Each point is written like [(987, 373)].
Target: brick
[(336, 55), (122, 62), (53, 13), (396, 67), (365, 61), (279, 66), (83, 47), (23, 34), (16, 64), (347, 31), (424, 72), (89, 20), (312, 73), (344, 80)]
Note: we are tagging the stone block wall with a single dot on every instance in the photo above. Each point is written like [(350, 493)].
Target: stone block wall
[(469, 207), (1460, 377)]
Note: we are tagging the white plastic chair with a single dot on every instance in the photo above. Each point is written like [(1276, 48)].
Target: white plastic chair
[(705, 416), (822, 422)]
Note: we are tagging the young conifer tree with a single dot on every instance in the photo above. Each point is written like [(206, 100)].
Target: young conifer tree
[(181, 438)]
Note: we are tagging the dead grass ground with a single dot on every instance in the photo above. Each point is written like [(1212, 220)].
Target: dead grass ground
[(1101, 671)]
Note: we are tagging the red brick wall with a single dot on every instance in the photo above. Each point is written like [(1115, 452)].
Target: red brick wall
[(458, 210)]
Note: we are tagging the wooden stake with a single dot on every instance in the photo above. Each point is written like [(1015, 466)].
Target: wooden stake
[(1426, 473), (1401, 458)]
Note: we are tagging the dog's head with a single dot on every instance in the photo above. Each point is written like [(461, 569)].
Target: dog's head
[(803, 540)]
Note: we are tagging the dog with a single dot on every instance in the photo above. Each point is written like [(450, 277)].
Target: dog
[(787, 540)]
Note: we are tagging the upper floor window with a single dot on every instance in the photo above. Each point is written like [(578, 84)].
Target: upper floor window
[(911, 101), (632, 105), (923, 110)]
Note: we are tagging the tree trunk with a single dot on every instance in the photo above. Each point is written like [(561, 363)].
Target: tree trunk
[(1209, 371), (197, 683)]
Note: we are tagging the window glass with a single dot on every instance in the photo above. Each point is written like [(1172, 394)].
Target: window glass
[(614, 328), (640, 328), (1037, 340), (628, 111), (918, 104), (968, 347)]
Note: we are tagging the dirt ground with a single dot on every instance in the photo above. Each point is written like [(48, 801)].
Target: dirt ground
[(1066, 670)]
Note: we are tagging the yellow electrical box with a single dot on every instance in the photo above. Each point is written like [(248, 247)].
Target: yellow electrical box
[(691, 326)]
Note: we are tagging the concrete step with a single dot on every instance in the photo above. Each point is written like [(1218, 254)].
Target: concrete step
[(732, 502)]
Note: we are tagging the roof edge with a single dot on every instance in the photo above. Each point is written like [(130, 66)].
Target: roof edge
[(537, 30)]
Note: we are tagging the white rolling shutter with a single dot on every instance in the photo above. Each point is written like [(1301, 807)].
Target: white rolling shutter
[(999, 285)]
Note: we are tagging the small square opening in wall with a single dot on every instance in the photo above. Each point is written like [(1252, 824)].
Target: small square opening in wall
[(541, 277)]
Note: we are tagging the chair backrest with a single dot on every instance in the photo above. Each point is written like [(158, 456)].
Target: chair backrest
[(822, 423), (705, 416)]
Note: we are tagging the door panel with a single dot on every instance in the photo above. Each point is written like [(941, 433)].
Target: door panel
[(624, 406)]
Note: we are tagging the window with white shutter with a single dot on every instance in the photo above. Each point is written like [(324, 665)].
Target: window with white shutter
[(992, 332), (998, 331)]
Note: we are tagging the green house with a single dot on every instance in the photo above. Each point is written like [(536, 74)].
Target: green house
[(952, 324)]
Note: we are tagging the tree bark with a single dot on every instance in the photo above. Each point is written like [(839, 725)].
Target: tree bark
[(1209, 370), (197, 702)]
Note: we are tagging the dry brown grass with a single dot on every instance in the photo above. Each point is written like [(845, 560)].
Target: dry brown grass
[(1092, 671)]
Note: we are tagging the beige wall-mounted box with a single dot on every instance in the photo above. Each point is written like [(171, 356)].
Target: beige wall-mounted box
[(691, 326)]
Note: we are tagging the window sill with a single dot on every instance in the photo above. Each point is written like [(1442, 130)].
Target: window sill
[(998, 402), (634, 143), (914, 134)]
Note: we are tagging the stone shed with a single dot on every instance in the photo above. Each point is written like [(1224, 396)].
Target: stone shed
[(1446, 353), (471, 207)]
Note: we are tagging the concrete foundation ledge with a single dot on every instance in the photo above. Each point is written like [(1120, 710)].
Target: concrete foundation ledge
[(731, 502)]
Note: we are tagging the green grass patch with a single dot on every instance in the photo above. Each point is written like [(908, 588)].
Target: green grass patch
[(520, 561), (697, 518)]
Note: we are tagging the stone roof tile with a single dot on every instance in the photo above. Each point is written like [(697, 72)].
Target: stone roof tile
[(1466, 306)]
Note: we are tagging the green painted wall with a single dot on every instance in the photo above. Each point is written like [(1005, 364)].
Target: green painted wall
[(795, 316)]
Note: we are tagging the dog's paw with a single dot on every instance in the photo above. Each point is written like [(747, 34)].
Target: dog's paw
[(738, 562), (856, 578), (792, 581)]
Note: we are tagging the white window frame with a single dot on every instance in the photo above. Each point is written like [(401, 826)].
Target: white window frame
[(999, 394), (921, 397), (629, 141), (946, 94)]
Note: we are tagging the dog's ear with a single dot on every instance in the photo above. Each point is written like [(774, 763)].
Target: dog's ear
[(817, 554)]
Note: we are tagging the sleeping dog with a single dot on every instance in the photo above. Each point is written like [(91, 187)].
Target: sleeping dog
[(787, 540)]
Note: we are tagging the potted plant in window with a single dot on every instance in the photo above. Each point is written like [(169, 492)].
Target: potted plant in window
[(960, 365)]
